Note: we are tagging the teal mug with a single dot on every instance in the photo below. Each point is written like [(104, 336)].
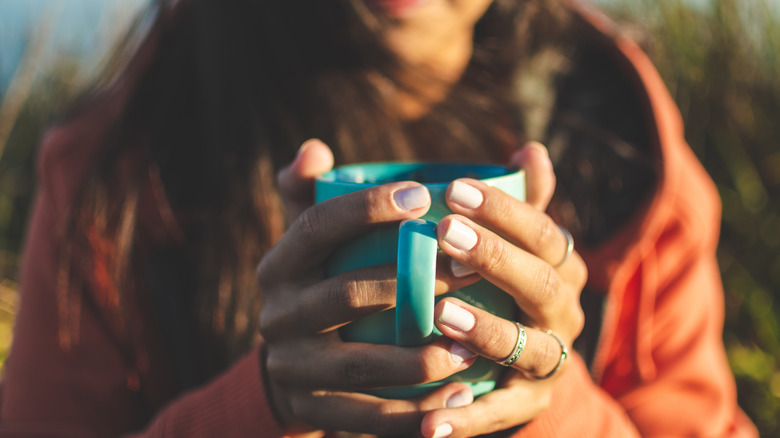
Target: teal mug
[(413, 246)]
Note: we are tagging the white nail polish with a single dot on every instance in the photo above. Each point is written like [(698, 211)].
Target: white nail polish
[(460, 236), (459, 269), (465, 195), (412, 198), (303, 148), (459, 353), (460, 399), (457, 317), (442, 431)]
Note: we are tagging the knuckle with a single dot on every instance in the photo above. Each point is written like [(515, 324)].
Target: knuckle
[(371, 207), (380, 419), (549, 284), (494, 255), (267, 324), (494, 421), (310, 223), (426, 371), (359, 371), (547, 355), (581, 272), (375, 420), (494, 339), (350, 293), (274, 320), (306, 409), (546, 233), (578, 321), (503, 206), (275, 366)]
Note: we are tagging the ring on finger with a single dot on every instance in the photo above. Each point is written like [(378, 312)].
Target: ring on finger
[(564, 355), (519, 346), (569, 246)]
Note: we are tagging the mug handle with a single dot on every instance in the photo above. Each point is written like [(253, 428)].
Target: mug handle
[(416, 280)]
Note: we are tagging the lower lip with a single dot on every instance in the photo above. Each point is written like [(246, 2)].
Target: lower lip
[(397, 8)]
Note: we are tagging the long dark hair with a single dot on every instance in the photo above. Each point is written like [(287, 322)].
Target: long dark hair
[(234, 90)]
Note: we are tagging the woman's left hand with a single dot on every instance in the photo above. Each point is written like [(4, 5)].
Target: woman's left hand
[(517, 247)]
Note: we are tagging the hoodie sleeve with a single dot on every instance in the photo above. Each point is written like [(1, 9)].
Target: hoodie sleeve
[(83, 383)]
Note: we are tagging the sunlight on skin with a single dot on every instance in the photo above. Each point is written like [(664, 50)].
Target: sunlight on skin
[(434, 36)]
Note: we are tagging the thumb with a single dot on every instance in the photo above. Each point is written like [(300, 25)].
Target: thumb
[(539, 175), (296, 181)]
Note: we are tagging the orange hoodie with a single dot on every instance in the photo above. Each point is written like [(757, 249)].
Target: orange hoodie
[(660, 367)]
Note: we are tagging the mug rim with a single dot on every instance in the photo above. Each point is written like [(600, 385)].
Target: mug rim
[(330, 177)]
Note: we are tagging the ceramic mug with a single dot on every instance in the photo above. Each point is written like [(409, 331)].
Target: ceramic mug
[(413, 246)]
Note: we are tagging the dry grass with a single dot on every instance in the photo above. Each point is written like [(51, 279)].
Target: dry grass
[(9, 300)]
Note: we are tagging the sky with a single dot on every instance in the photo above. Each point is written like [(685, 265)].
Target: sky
[(77, 29)]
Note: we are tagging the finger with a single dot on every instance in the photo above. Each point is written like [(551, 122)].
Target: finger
[(296, 181), (516, 221), (331, 303), (328, 224), (539, 175), (501, 409), (363, 413), (350, 366), (496, 338), (534, 284)]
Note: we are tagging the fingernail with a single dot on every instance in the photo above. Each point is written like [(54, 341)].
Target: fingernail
[(442, 431), (538, 146), (459, 269), (305, 146), (460, 236), (465, 195), (456, 317), (460, 399), (520, 157), (412, 198), (459, 353)]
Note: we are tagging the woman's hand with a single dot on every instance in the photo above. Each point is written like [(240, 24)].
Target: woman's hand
[(312, 374), (517, 247)]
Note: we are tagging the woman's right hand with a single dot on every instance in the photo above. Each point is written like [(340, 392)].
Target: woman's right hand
[(313, 374)]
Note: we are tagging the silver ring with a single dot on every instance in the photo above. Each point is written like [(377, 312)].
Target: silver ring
[(569, 246), (519, 346), (564, 355)]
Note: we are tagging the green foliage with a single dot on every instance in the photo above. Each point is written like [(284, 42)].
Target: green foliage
[(8, 300), (721, 65), (17, 180)]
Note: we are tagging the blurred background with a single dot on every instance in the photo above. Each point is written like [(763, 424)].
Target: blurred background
[(719, 58)]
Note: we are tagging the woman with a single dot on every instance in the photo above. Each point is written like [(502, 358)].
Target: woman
[(158, 199)]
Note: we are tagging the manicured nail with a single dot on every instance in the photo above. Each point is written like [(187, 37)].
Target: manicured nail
[(465, 195), (306, 145), (412, 198), (442, 431), (538, 146), (460, 399), (459, 269), (303, 147), (457, 317), (460, 236), (459, 353)]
